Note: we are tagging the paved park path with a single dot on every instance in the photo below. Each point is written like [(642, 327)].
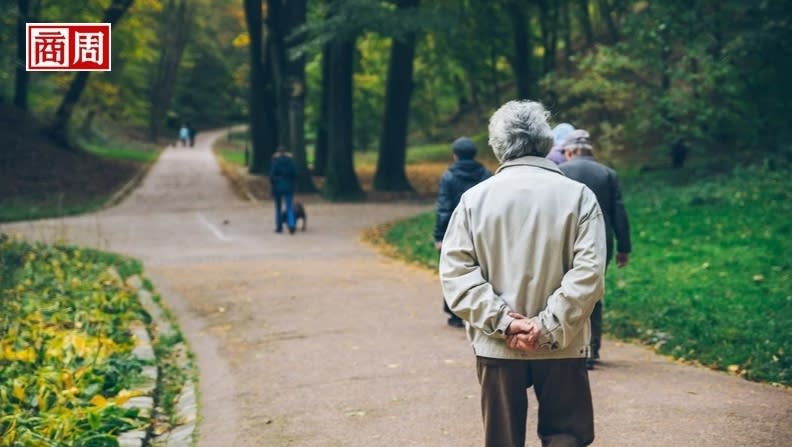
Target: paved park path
[(317, 340)]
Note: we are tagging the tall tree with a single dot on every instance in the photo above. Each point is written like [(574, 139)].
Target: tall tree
[(59, 128), (341, 182), (566, 29), (521, 62), (585, 21), (391, 175), (320, 150), (21, 87), (262, 130), (605, 10), (296, 76), (175, 29), (277, 27), (548, 24)]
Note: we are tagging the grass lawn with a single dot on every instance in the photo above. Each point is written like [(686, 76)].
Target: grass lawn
[(122, 151), (40, 179), (710, 277)]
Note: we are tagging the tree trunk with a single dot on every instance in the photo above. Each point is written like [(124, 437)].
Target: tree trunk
[(522, 50), (551, 44), (391, 175), (605, 11), (59, 129), (175, 33), (296, 69), (585, 21), (566, 31), (276, 50), (22, 78), (341, 182), (547, 26), (320, 148), (262, 132)]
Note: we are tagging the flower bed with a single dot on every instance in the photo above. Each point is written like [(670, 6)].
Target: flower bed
[(66, 362)]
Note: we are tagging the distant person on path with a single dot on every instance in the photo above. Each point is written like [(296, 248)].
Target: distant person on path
[(582, 167), (560, 133), (458, 178), (184, 135), (191, 133), (282, 175), (523, 263)]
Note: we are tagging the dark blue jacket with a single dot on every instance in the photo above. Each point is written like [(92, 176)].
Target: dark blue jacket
[(603, 181), (461, 176), (282, 174)]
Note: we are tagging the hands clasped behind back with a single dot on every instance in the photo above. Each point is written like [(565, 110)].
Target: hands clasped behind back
[(522, 334)]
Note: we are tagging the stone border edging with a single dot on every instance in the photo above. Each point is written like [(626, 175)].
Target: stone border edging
[(186, 404), (145, 403)]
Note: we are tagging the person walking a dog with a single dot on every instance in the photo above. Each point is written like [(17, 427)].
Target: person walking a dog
[(464, 173), (523, 263), (603, 181), (282, 175)]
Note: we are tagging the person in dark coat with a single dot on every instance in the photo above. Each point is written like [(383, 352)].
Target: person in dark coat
[(282, 175), (603, 181), (463, 174)]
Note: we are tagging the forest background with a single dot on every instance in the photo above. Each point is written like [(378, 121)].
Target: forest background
[(705, 80)]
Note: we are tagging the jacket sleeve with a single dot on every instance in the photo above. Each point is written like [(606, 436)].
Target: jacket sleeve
[(465, 290), (621, 224), (570, 306), (444, 208)]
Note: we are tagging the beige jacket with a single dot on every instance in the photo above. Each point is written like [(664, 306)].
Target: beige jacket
[(532, 241)]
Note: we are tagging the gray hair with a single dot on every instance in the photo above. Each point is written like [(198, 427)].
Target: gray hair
[(519, 128)]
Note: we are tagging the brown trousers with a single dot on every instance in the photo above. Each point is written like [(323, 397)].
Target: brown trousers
[(566, 414)]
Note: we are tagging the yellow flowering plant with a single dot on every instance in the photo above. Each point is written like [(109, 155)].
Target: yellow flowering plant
[(66, 363)]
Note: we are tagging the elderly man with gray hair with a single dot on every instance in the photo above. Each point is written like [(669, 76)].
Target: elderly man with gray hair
[(522, 263), (603, 181)]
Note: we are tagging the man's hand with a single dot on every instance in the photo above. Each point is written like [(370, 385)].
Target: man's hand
[(438, 245), (622, 259), (522, 334)]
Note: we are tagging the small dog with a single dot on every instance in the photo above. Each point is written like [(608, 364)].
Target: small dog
[(299, 213)]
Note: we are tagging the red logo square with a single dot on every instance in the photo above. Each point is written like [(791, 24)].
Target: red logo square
[(67, 47)]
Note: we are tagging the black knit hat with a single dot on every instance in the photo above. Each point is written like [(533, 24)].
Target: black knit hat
[(464, 148)]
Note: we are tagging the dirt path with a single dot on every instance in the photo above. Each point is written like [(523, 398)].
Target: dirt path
[(316, 340)]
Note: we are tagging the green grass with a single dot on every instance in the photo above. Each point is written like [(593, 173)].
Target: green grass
[(117, 151), (710, 276), (40, 207)]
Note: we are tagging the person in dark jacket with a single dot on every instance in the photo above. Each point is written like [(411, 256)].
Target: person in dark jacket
[(463, 174), (282, 175), (603, 181)]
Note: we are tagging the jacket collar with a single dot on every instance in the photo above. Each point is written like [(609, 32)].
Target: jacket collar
[(530, 160)]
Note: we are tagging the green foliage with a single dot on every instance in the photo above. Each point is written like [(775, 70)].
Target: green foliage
[(65, 352), (710, 276), (701, 73)]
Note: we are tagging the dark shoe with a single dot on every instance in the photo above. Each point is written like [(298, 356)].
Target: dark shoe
[(291, 230), (279, 230), (456, 322), (590, 364)]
